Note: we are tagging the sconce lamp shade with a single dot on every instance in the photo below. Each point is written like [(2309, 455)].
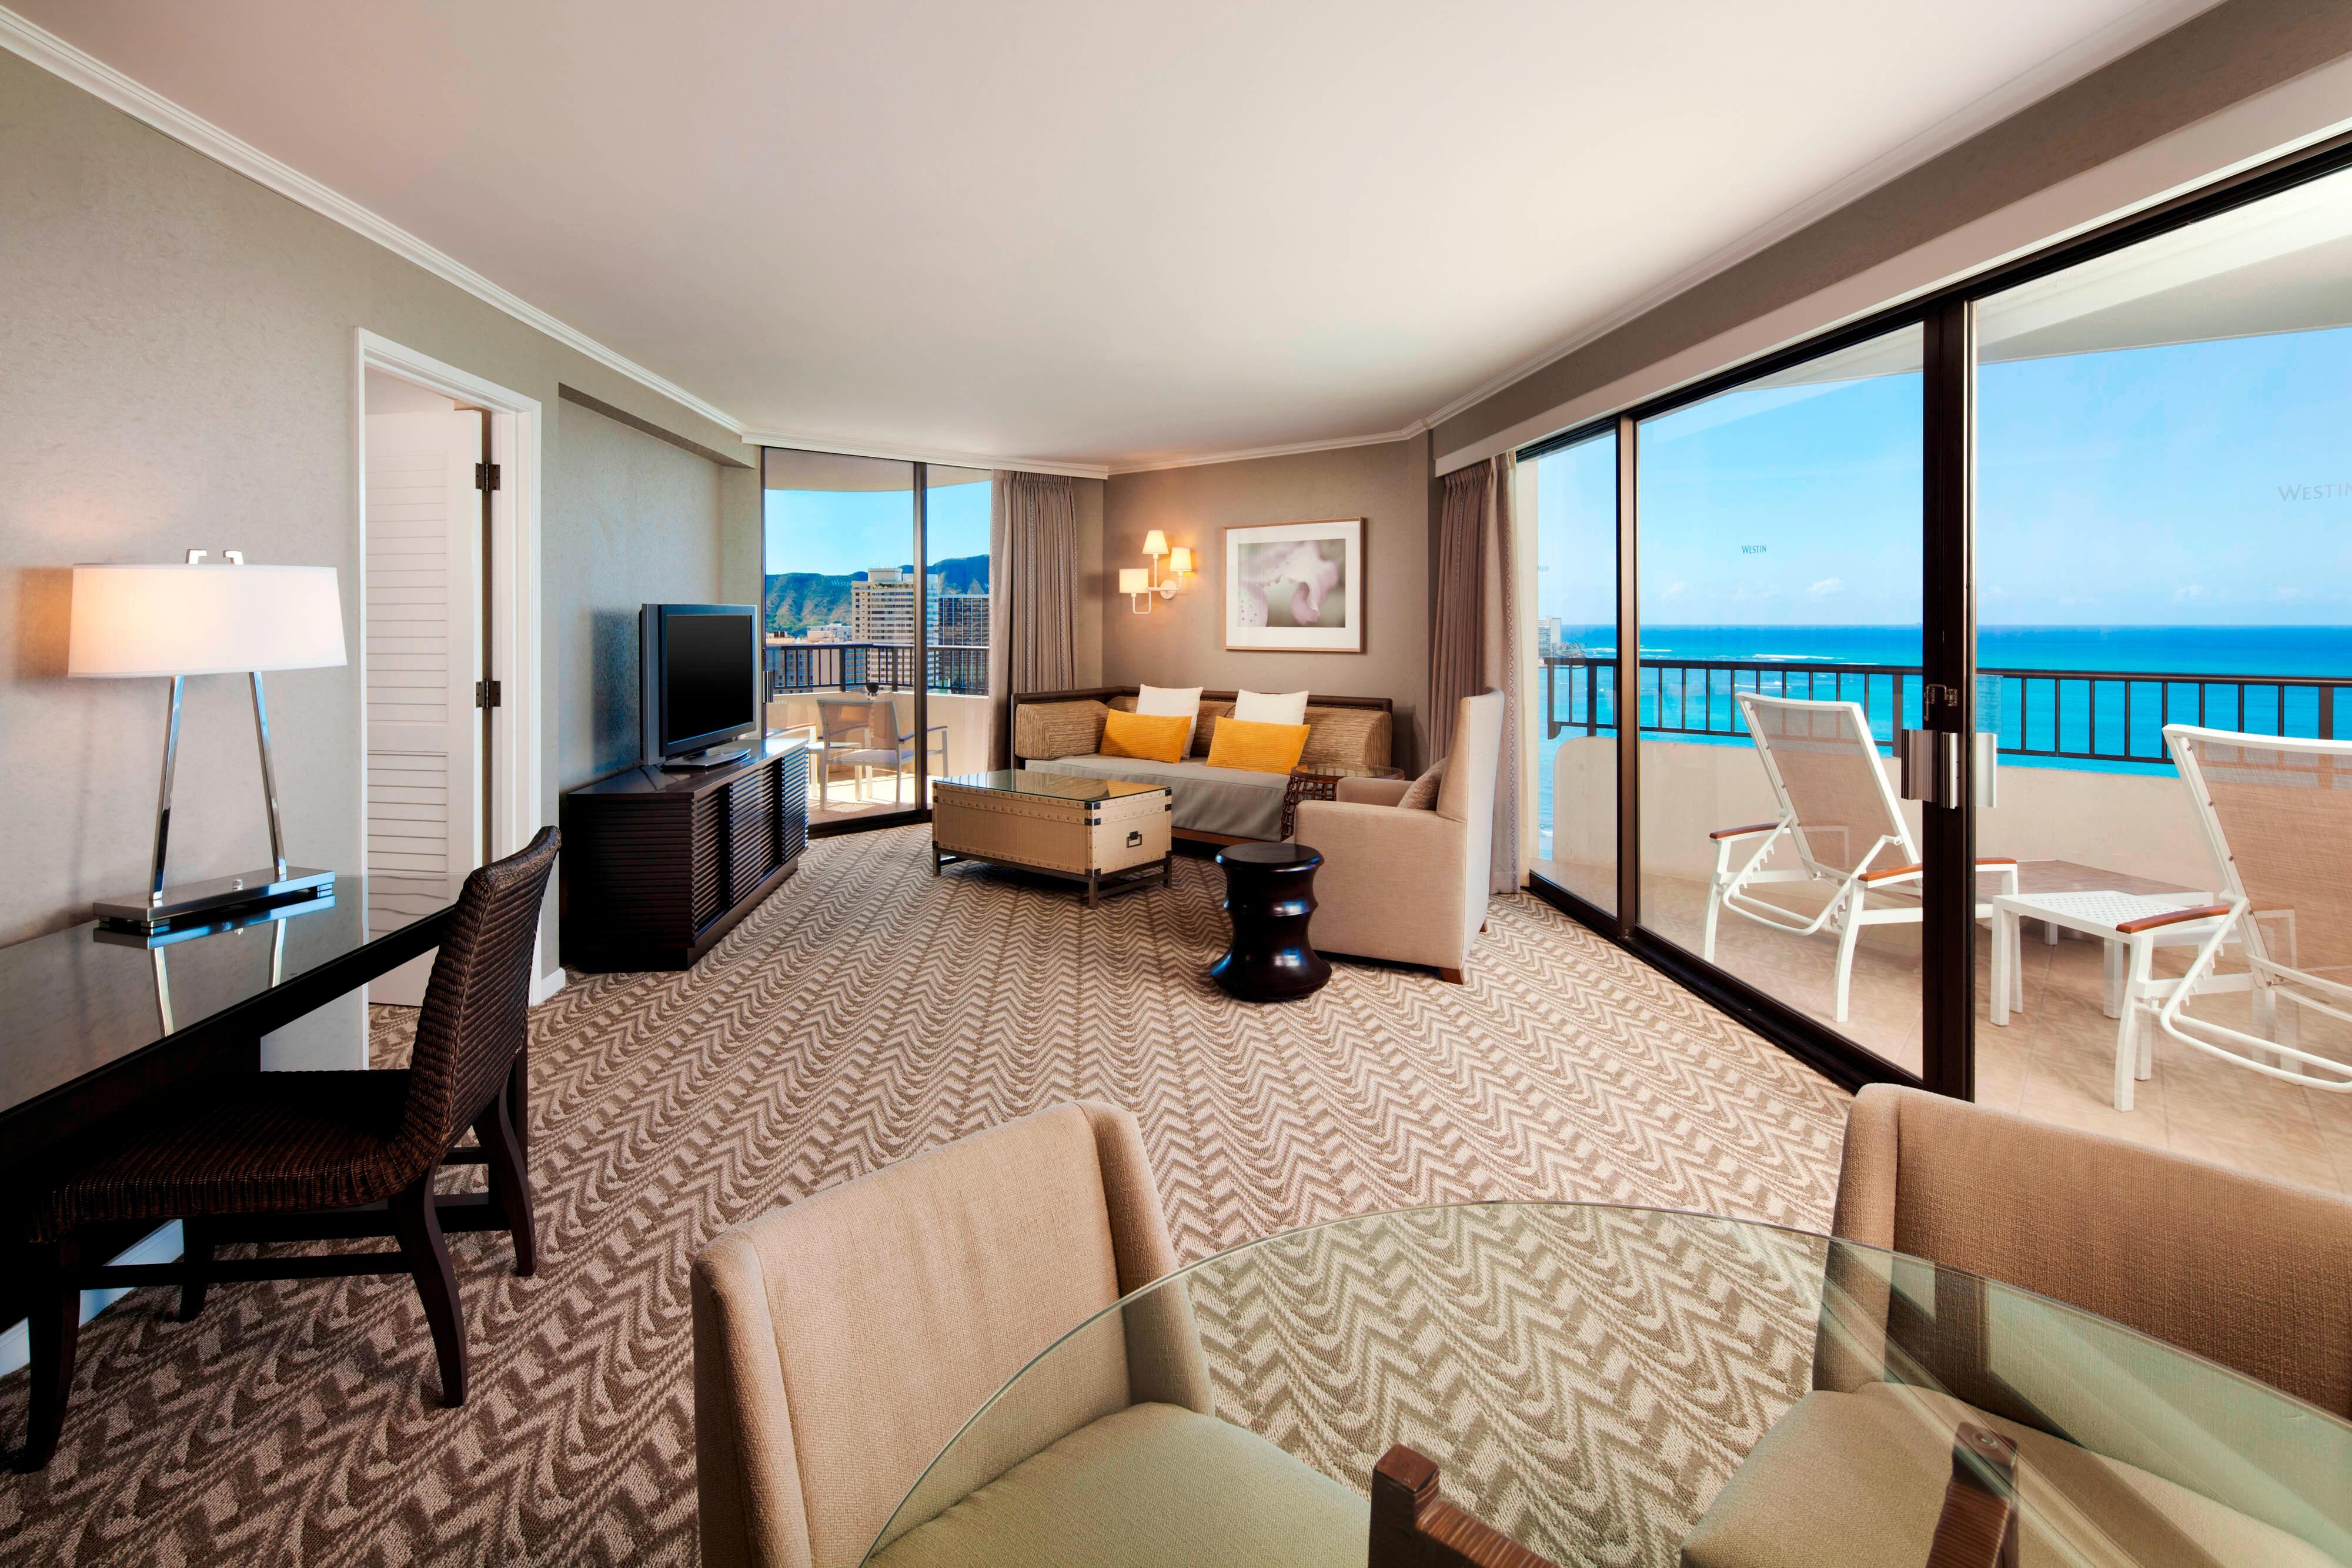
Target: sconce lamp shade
[(170, 620), (1134, 579), (1180, 560), (1155, 543)]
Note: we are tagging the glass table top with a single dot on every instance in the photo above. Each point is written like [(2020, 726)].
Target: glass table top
[(78, 999), (1056, 786), (1604, 1384)]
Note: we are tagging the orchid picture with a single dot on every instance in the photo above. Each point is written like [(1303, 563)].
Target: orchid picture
[(1296, 587)]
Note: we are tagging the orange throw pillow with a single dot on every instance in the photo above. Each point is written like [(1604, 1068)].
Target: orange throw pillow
[(1257, 747), (1148, 738)]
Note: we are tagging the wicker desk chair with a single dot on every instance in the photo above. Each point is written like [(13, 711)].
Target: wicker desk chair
[(288, 1146)]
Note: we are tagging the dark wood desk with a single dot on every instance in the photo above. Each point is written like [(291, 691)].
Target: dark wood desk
[(92, 1022)]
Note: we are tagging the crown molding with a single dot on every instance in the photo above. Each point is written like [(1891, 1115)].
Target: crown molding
[(2110, 43), (841, 447), (1293, 449), (143, 103)]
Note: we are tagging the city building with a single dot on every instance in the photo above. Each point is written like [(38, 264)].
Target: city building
[(882, 607)]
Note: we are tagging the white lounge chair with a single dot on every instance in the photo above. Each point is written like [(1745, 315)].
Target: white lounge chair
[(1839, 818), (2277, 814)]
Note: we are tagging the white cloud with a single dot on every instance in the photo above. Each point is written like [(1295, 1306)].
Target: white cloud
[(2189, 591), (2285, 594), (1676, 590), (1826, 587)]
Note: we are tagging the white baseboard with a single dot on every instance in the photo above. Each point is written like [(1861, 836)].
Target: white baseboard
[(545, 986)]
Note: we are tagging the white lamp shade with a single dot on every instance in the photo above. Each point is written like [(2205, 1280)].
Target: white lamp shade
[(203, 620), (1155, 543), (1180, 560), (1134, 579)]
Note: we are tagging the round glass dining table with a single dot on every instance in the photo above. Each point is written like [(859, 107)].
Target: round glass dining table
[(1605, 1384)]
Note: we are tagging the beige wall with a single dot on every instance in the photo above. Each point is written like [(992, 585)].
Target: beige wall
[(1182, 643), (180, 371), (2227, 55), (637, 521)]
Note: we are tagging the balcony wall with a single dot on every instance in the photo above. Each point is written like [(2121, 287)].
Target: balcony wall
[(2139, 823)]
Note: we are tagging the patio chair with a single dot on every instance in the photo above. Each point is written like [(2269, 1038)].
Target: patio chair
[(863, 733), (2277, 814), (1838, 817)]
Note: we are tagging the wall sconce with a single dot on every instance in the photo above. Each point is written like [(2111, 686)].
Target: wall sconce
[(1137, 584)]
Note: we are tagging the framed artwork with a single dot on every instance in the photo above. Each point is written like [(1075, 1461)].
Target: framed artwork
[(1295, 588)]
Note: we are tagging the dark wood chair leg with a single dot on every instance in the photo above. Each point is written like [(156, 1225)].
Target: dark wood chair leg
[(1451, 976), (509, 1180), (197, 1258), (519, 1098), (53, 1328), (418, 1225)]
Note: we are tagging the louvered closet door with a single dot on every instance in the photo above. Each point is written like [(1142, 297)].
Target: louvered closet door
[(424, 531)]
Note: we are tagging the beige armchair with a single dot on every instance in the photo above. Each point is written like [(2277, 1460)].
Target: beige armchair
[(1409, 886), (2247, 1272), (841, 1342)]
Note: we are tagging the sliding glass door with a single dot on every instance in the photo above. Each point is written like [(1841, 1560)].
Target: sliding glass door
[(1780, 635), (1575, 509), (2164, 539), (956, 503), (1915, 626), (844, 610)]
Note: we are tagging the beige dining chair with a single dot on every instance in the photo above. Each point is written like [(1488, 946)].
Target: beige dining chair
[(1405, 885), (841, 1341), (2254, 1274)]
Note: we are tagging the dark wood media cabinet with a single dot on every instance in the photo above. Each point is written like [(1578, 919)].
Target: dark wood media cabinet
[(658, 866)]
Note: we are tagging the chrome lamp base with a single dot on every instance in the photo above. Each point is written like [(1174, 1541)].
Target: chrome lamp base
[(201, 902), (196, 903)]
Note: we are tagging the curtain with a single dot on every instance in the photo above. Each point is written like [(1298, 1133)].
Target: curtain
[(1456, 648), (1474, 637), (1033, 603)]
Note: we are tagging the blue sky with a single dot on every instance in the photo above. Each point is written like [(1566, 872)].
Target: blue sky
[(840, 531), (2198, 483)]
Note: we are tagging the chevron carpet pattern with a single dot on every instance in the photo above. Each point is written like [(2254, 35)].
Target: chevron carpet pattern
[(1598, 1372), (866, 1012)]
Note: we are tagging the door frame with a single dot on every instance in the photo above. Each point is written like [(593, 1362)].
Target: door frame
[(511, 643)]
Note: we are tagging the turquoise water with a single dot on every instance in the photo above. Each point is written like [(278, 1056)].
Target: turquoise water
[(2120, 704)]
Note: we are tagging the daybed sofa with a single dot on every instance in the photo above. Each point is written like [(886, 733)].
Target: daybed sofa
[(1061, 732)]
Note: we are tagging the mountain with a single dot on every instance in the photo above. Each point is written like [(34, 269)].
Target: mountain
[(798, 600)]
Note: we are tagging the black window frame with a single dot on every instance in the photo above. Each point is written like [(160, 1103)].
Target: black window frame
[(1946, 316)]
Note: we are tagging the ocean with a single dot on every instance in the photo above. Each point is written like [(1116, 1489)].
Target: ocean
[(2110, 721)]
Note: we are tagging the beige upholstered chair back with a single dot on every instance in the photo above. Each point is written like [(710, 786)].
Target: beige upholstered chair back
[(1467, 794), (2250, 1273), (840, 1342)]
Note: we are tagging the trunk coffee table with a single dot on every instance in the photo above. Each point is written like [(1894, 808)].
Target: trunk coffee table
[(1108, 833)]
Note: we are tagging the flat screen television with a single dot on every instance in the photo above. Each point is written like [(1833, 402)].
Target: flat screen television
[(700, 665)]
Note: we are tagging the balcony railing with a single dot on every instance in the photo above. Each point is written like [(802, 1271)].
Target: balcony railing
[(2086, 716), (878, 666)]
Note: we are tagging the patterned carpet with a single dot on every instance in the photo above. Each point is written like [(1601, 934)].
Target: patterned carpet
[(867, 1013)]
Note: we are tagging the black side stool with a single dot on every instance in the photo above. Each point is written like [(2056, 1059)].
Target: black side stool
[(1270, 894)]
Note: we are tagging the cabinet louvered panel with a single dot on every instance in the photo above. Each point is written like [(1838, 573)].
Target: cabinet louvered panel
[(751, 831), (709, 858), (658, 866)]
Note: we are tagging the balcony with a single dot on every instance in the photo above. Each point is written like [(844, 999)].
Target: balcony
[(800, 674), (2084, 799)]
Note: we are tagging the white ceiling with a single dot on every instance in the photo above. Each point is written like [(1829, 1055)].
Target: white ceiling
[(1107, 234)]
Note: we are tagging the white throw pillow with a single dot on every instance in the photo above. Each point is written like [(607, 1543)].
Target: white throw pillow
[(1257, 708), (1165, 700)]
